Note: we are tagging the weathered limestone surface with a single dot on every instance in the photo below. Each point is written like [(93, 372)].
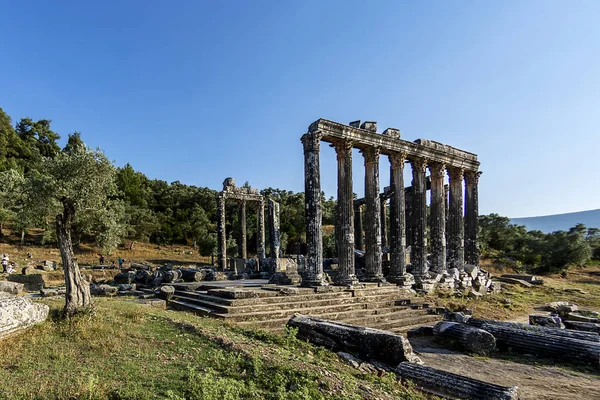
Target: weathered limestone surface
[(438, 218), (18, 313), (372, 216), (454, 386), (345, 215), (260, 237), (471, 217), (544, 345), (398, 272), (358, 226), (469, 337), (368, 343), (274, 231), (11, 287), (242, 241), (456, 257), (314, 223), (418, 258)]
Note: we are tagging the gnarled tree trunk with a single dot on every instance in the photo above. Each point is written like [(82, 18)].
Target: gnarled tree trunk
[(77, 289)]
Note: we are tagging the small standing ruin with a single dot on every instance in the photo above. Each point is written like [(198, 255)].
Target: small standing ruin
[(242, 195), (453, 239)]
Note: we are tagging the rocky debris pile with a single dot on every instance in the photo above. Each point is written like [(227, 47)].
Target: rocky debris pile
[(53, 292), (19, 313), (375, 351), (548, 340), (571, 317)]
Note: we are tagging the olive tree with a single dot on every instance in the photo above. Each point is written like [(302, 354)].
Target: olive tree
[(78, 183)]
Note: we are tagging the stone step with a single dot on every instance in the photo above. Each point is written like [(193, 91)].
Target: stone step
[(376, 319), (276, 298), (194, 308), (359, 317), (292, 303), (282, 313), (392, 324), (397, 326)]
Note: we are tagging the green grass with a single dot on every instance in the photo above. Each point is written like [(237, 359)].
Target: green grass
[(131, 351)]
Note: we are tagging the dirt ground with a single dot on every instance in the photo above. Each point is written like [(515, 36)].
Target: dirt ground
[(539, 382)]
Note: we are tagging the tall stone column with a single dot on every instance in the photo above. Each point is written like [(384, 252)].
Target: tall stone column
[(221, 233), (418, 257), (372, 216), (274, 232), (471, 217), (358, 226), (345, 215), (384, 231), (313, 213), (446, 192), (242, 245), (408, 205), (260, 236), (438, 218), (456, 233), (398, 273)]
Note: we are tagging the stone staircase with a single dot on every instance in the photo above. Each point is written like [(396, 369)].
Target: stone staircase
[(270, 307)]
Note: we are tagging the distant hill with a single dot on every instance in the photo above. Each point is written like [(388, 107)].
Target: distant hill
[(560, 222)]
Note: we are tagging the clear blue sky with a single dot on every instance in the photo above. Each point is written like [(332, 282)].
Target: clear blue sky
[(197, 91)]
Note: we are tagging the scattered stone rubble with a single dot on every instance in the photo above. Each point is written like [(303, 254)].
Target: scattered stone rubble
[(548, 339), (375, 351)]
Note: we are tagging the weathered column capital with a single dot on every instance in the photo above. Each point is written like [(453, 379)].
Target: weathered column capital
[(437, 169), (371, 155), (455, 172), (418, 164), (311, 141), (472, 176), (397, 160)]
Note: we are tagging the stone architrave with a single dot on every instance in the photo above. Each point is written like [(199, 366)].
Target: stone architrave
[(471, 217), (438, 218), (455, 241), (345, 215), (274, 231), (372, 216), (260, 236), (314, 223), (418, 256), (398, 272), (242, 245)]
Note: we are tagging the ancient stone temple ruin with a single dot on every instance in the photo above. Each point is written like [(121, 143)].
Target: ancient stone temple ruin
[(452, 228), (242, 195)]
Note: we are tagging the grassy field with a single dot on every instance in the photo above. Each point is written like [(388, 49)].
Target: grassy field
[(132, 351)]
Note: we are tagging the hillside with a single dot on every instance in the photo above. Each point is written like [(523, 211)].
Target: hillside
[(551, 223)]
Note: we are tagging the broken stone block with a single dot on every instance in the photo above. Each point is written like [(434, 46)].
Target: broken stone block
[(369, 126), (546, 320), (454, 273), (19, 313), (11, 287), (561, 307), (472, 271)]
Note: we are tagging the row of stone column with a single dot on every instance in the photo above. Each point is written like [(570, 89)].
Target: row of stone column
[(441, 257), (242, 239)]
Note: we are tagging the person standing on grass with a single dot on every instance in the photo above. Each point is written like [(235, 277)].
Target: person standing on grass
[(4, 262), (101, 259), (121, 261)]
